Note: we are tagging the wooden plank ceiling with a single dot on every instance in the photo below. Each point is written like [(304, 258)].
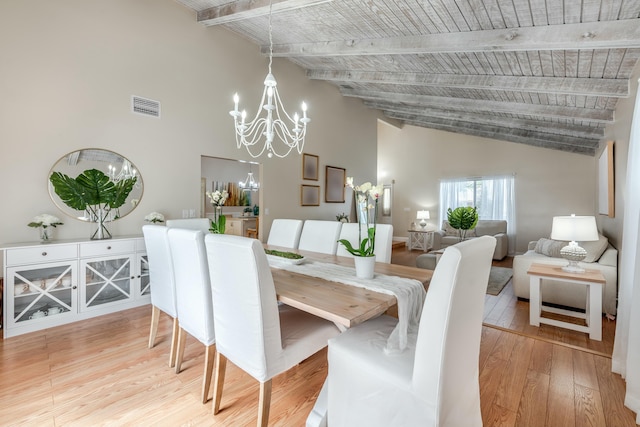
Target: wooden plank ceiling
[(547, 73)]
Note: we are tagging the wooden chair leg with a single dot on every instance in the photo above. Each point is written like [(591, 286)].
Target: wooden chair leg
[(264, 403), (155, 319), (221, 366), (174, 342), (209, 357), (182, 339)]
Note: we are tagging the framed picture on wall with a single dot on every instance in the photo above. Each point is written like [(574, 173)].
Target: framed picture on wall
[(334, 185), (310, 195), (605, 181), (310, 166)]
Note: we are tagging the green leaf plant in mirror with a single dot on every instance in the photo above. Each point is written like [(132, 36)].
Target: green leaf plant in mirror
[(96, 194)]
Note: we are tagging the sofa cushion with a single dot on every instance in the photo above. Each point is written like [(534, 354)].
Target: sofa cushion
[(595, 249), (450, 231), (491, 227), (551, 248)]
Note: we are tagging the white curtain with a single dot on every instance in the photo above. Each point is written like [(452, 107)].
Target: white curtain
[(452, 194), (495, 199), (626, 347)]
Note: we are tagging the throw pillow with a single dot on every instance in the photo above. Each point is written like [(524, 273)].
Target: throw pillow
[(550, 247), (448, 229), (595, 249)]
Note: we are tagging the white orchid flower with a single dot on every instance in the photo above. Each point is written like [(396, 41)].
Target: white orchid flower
[(349, 182)]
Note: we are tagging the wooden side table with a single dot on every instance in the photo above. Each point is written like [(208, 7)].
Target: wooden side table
[(592, 279), (420, 239)]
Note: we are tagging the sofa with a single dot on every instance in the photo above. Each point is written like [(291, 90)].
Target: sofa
[(497, 228), (600, 256)]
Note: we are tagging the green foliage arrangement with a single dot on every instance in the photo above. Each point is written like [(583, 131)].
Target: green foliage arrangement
[(463, 218), (92, 191), (289, 255)]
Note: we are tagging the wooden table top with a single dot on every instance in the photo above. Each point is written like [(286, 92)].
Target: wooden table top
[(340, 303), (556, 271)]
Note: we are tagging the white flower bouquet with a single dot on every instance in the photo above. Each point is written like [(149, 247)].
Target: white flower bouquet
[(44, 221), (218, 199), (365, 193), (154, 217)]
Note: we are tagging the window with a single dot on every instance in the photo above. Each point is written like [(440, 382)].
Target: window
[(493, 196)]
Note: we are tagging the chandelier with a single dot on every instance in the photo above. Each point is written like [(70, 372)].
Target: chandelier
[(126, 171), (275, 122), (249, 184)]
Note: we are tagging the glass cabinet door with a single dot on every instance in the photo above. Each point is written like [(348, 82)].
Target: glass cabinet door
[(143, 265), (105, 281), (38, 293)]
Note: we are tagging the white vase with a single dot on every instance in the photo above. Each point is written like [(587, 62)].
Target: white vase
[(365, 266)]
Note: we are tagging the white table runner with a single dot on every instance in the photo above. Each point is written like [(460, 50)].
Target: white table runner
[(410, 293)]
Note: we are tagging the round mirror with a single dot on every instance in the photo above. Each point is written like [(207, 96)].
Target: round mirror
[(93, 183)]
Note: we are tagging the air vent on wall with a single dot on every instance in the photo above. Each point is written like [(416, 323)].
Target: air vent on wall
[(148, 107)]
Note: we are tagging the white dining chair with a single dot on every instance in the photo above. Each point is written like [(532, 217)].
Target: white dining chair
[(285, 233), (433, 382), (193, 296), (384, 240), (202, 224), (320, 236), (252, 330), (162, 284)]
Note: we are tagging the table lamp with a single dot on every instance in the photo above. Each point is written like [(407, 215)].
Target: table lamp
[(422, 215), (574, 229)]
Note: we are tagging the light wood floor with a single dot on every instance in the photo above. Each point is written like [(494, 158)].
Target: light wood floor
[(100, 372), (506, 311)]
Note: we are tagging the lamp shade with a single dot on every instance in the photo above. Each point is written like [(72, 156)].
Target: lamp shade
[(574, 228), (423, 215)]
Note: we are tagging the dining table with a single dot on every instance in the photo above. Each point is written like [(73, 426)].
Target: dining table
[(344, 304)]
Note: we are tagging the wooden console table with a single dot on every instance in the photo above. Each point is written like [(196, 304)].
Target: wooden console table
[(592, 279)]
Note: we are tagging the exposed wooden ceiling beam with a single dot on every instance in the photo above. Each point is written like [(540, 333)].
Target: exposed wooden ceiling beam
[(558, 129), (590, 35), (247, 9), (502, 134), (479, 105), (468, 123), (618, 88)]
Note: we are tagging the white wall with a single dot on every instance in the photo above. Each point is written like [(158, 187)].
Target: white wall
[(548, 182), (620, 133), (68, 71)]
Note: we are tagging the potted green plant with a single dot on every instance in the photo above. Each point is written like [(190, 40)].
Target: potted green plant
[(94, 193), (463, 219)]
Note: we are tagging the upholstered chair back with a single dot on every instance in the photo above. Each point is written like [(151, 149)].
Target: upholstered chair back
[(245, 306), (190, 224), (320, 236), (161, 274), (193, 290), (448, 344), (285, 233)]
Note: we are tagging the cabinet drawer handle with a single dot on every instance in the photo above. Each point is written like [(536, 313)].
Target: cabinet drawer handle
[(44, 254), (74, 287), (108, 248)]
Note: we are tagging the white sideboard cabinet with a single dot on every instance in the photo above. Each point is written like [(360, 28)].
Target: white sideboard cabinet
[(61, 282)]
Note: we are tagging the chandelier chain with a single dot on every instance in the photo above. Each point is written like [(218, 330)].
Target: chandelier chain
[(271, 122), (270, 35)]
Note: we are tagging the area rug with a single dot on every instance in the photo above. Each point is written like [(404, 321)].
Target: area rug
[(498, 278)]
